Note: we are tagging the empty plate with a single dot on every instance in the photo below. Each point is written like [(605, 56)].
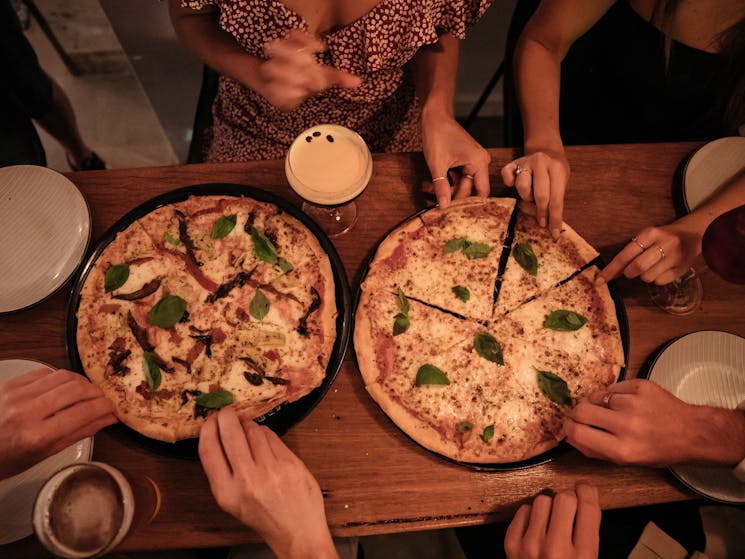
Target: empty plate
[(45, 227), (705, 368), (18, 493), (711, 167)]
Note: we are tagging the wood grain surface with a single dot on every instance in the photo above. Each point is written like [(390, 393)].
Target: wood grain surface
[(374, 478)]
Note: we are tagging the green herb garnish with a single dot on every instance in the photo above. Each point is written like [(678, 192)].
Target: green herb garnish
[(171, 240), (463, 426), (214, 400), (263, 247), (429, 374), (565, 321), (471, 250), (152, 372), (284, 265), (223, 226), (462, 293), (259, 306), (488, 433), (115, 277), (488, 347), (454, 245), (167, 312), (554, 387), (525, 256), (401, 324)]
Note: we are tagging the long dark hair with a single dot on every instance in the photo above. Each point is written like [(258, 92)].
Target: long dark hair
[(731, 47)]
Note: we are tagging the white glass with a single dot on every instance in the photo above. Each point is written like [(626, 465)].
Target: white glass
[(328, 166)]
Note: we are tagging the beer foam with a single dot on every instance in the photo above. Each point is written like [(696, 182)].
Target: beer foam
[(86, 511)]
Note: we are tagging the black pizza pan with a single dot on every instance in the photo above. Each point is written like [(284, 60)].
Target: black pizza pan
[(284, 416), (562, 447)]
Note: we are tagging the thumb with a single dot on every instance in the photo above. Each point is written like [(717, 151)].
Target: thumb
[(342, 78)]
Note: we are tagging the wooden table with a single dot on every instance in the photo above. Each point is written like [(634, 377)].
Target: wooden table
[(374, 478)]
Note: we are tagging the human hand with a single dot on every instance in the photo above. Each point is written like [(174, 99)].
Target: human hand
[(541, 176), (258, 480), (656, 254), (624, 425), (45, 411), (449, 148), (565, 527), (291, 73)]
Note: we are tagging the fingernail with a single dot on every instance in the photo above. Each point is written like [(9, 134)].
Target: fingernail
[(542, 221), (600, 280), (555, 233)]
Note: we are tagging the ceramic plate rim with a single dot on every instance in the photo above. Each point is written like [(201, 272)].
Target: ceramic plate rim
[(709, 146)]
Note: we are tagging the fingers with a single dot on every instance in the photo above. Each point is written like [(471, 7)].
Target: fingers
[(558, 181), (597, 415), (590, 441), (587, 522), (88, 430), (233, 439), (65, 395), (536, 531), (524, 184), (75, 418), (442, 189), (212, 456), (45, 383), (279, 448), (508, 173), (26, 378), (648, 255), (562, 520), (257, 441), (516, 532), (541, 193)]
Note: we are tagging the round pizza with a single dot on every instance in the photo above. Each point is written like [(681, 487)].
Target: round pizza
[(476, 331), (203, 303)]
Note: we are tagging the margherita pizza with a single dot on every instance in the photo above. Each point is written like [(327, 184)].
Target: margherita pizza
[(199, 304), (472, 363)]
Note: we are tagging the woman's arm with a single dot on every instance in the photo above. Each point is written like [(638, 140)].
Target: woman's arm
[(542, 45), (445, 143)]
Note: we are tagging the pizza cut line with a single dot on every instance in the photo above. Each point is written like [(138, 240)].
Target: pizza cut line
[(208, 302), (476, 353)]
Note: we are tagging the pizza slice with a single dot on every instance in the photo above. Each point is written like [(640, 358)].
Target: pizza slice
[(446, 258), (577, 318), (537, 262)]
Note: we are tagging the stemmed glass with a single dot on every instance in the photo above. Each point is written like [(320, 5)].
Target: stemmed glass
[(328, 166), (723, 247)]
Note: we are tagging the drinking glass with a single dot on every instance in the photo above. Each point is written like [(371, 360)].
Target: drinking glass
[(328, 166)]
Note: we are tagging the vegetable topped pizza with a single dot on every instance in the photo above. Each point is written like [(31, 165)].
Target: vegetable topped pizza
[(475, 330), (208, 302)]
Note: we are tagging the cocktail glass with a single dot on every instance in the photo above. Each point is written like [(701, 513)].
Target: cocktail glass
[(328, 166)]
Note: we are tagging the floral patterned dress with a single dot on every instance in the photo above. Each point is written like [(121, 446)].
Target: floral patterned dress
[(376, 47)]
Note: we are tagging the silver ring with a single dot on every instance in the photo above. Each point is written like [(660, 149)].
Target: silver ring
[(443, 178), (467, 176), (519, 169), (605, 402), (662, 252), (638, 243)]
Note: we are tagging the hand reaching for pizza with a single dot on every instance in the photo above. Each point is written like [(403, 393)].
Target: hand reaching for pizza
[(565, 527), (656, 254), (542, 177), (639, 422), (45, 411), (258, 480), (448, 148), (291, 73)]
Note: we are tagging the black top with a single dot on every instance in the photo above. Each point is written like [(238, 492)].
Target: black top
[(616, 88)]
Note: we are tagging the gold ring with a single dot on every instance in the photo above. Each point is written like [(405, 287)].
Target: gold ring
[(519, 169), (605, 402), (443, 178), (467, 176), (662, 252), (638, 243)]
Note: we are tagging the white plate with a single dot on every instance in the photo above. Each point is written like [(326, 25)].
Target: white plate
[(45, 227), (711, 167), (17, 493), (706, 368)]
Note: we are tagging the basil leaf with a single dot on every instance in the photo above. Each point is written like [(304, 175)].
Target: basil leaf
[(454, 245), (171, 240), (214, 400), (284, 265), (259, 306), (476, 250), (488, 347), (223, 226), (463, 426), (115, 277), (403, 302), (429, 374), (488, 433), (167, 312), (152, 372), (263, 247), (401, 324), (462, 293), (565, 321), (525, 256), (554, 387)]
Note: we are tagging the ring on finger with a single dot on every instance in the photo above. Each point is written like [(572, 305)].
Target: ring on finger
[(605, 402), (638, 243), (442, 178), (520, 169), (662, 252), (467, 176)]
